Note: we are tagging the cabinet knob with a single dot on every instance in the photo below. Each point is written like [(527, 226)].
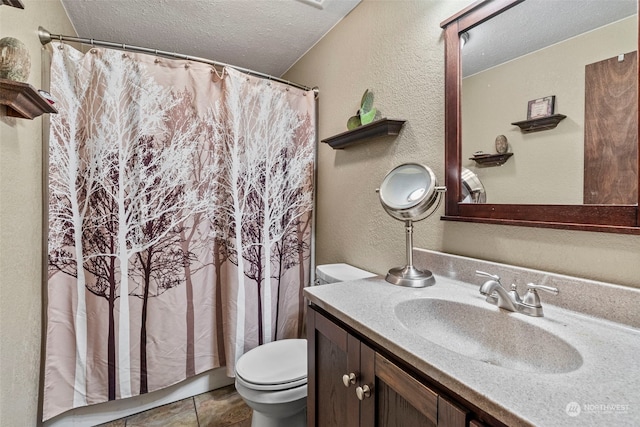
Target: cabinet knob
[(363, 392), (348, 379)]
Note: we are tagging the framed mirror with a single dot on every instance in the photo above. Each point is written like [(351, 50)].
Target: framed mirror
[(564, 93)]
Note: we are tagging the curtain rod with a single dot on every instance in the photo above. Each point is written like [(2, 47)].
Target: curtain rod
[(46, 37)]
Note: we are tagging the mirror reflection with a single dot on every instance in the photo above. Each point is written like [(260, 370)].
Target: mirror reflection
[(472, 190), (541, 57), (408, 191)]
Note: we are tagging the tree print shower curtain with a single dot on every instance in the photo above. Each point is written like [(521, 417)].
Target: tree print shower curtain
[(179, 216)]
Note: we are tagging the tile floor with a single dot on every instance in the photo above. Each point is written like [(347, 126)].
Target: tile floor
[(217, 408)]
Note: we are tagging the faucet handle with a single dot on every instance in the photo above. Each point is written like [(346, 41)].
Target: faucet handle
[(490, 276), (549, 289), (532, 299)]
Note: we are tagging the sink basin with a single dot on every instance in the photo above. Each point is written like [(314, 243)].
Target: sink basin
[(487, 335)]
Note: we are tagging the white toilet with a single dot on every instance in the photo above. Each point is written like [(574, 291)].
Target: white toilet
[(272, 378)]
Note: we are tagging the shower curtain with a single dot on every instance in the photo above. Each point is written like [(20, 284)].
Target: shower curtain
[(179, 221)]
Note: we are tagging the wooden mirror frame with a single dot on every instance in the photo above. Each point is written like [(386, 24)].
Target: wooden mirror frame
[(604, 218)]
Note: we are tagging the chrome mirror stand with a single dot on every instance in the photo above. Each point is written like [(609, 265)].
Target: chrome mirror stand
[(408, 193), (409, 275)]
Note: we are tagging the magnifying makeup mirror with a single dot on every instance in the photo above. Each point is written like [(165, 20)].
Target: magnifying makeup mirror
[(408, 194)]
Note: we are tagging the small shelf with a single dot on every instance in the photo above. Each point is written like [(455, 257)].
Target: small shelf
[(491, 159), (380, 127), (541, 123), (14, 3), (23, 100)]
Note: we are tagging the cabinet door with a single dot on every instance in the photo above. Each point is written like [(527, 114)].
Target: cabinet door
[(477, 423), (452, 415), (381, 394), (332, 353), (400, 399), (403, 401)]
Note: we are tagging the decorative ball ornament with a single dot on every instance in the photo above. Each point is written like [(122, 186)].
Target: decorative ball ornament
[(502, 145), (15, 60)]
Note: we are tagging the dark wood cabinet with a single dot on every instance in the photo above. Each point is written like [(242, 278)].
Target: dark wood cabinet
[(352, 384), (329, 402)]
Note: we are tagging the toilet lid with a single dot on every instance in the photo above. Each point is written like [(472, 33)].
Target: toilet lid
[(281, 362)]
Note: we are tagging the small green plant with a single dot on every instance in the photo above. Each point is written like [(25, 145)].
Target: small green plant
[(365, 114)]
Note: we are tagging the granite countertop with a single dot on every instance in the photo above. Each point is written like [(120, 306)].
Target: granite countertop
[(605, 386)]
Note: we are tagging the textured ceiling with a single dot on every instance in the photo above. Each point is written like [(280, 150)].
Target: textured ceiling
[(268, 36), (535, 24)]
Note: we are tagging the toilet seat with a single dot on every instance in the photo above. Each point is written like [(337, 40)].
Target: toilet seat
[(278, 365)]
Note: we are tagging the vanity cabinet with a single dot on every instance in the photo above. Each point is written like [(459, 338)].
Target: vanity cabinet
[(351, 383)]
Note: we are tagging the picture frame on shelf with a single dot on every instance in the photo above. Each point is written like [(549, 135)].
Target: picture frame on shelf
[(541, 107)]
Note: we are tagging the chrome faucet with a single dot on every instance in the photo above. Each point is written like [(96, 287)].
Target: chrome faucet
[(497, 295)]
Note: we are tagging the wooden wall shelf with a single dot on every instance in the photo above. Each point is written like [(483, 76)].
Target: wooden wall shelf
[(23, 100), (14, 3), (380, 127), (541, 123), (491, 159)]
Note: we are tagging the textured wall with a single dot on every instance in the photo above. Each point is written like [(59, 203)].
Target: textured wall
[(21, 228), (396, 49)]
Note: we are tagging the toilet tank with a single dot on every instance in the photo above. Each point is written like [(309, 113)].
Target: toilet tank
[(332, 273)]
